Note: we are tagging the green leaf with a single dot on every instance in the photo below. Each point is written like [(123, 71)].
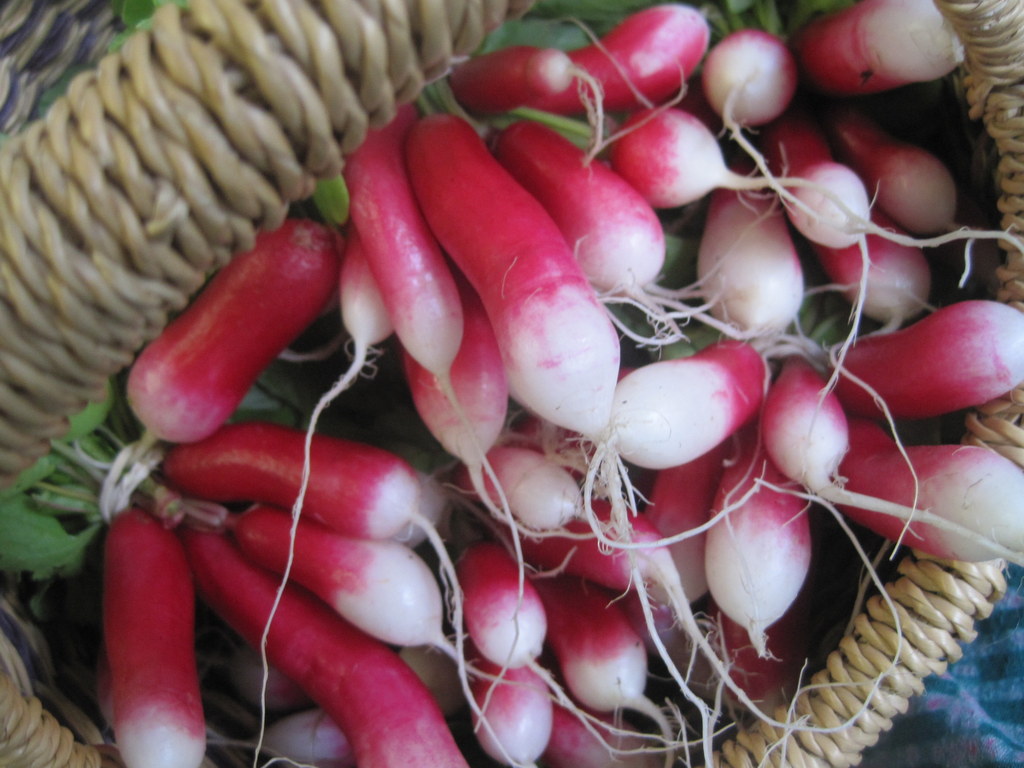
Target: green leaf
[(36, 542), (331, 200), (90, 417)]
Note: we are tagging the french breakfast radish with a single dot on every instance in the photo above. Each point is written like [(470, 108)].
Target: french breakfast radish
[(389, 716), (615, 234), (875, 45), (511, 77), (408, 266), (504, 616), (149, 636), (309, 736), (749, 77), (560, 350), (380, 586), (356, 489), (263, 687), (607, 744), (959, 356), (514, 720), (976, 489), (912, 185), (190, 378), (758, 553)]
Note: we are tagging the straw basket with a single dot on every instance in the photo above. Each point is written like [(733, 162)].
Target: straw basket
[(163, 161)]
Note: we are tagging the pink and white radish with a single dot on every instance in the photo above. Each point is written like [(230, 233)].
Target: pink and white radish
[(309, 737), (749, 77), (912, 185), (191, 378), (514, 719), (957, 501), (962, 355), (758, 553), (380, 586), (389, 716), (607, 744), (260, 686), (149, 637), (511, 77), (747, 265), (560, 350), (875, 45), (504, 615)]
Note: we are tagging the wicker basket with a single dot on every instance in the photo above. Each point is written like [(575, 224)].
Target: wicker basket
[(164, 160)]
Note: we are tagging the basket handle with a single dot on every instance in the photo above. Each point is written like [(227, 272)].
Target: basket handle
[(162, 162)]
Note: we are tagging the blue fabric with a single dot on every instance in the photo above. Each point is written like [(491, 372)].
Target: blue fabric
[(972, 716)]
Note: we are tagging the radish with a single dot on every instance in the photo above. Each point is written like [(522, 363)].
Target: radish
[(875, 45), (515, 713), (414, 280), (504, 616), (541, 494), (616, 235), (363, 313), (478, 381), (380, 586), (747, 264), (912, 185), (309, 737), (956, 357), (389, 716), (148, 633), (610, 745), (975, 489), (356, 489), (749, 77), (758, 554), (560, 350), (803, 426), (601, 657), (672, 411), (190, 379), (681, 501), (507, 78), (646, 59), (832, 206), (897, 280)]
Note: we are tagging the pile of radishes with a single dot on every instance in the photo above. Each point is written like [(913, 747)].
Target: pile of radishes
[(597, 488)]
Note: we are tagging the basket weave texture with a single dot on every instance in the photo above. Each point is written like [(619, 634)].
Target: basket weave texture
[(165, 159)]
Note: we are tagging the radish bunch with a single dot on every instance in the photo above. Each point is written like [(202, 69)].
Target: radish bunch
[(592, 508)]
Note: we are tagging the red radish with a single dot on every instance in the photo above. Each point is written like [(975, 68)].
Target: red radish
[(615, 233), (804, 427), (976, 489), (681, 501), (672, 411), (747, 265), (515, 713), (601, 657), (478, 381), (506, 78), (758, 553), (149, 636), (749, 77), (875, 45), (898, 278), (504, 616), (959, 356), (363, 313), (541, 494), (380, 586), (408, 266), (560, 349), (610, 745), (389, 716), (309, 737), (263, 687), (831, 206), (355, 489), (190, 379), (644, 60), (908, 182)]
